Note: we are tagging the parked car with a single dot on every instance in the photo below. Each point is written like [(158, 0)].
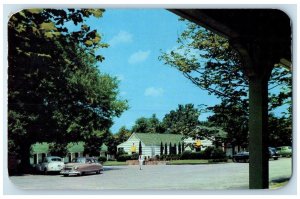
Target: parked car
[(241, 157), (244, 155), (273, 153), (82, 165), (284, 151), (50, 164)]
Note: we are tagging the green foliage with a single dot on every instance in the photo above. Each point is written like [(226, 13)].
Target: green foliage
[(148, 125), (140, 148), (125, 157), (55, 91), (182, 121), (122, 135), (208, 153), (102, 159), (113, 140), (93, 141), (58, 149), (161, 149), (280, 131), (212, 64), (166, 149), (135, 156)]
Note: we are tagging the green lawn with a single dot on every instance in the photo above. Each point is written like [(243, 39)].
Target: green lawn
[(114, 163), (277, 185), (180, 162)]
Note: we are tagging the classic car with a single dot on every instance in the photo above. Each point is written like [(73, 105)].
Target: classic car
[(241, 157), (273, 153), (244, 155), (50, 164), (284, 151), (82, 165)]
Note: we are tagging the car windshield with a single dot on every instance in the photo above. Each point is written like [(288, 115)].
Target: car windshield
[(78, 160), (55, 160)]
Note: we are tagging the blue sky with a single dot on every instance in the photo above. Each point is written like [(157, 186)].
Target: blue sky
[(136, 38)]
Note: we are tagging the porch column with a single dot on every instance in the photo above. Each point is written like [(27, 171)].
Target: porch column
[(258, 140)]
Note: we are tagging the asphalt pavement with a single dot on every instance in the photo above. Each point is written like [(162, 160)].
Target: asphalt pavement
[(223, 176)]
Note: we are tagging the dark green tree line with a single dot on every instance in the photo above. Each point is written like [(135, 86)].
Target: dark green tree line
[(55, 91)]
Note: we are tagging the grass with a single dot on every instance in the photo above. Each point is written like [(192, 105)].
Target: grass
[(277, 185), (114, 163), (182, 162)]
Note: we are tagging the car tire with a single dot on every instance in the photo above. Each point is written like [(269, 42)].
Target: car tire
[(66, 175), (98, 172), (45, 171)]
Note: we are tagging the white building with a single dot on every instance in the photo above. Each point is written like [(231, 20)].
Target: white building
[(151, 143)]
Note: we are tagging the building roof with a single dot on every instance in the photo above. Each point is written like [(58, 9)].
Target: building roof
[(40, 147), (75, 147), (157, 138), (103, 148), (44, 147)]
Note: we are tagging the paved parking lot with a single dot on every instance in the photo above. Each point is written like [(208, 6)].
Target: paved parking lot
[(159, 177)]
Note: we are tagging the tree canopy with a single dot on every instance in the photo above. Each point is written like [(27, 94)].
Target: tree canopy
[(148, 125), (56, 93), (183, 120), (212, 64)]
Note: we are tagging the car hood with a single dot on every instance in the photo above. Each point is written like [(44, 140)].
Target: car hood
[(74, 164)]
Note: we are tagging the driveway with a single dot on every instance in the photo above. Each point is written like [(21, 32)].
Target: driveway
[(158, 177)]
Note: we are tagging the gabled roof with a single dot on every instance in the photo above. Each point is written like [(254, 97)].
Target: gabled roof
[(44, 147), (157, 138), (103, 148)]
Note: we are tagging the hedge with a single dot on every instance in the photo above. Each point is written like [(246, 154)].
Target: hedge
[(208, 153), (125, 157)]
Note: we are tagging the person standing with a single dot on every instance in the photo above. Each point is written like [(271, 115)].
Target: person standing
[(141, 161)]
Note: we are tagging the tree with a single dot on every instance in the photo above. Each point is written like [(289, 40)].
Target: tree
[(122, 135), (233, 119), (140, 148), (55, 91), (179, 148), (148, 125), (174, 148), (182, 121), (212, 64), (93, 142), (280, 131), (161, 148), (166, 149)]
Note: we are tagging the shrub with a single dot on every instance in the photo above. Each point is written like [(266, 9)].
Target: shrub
[(157, 157), (123, 157), (121, 152), (185, 155), (207, 152), (135, 156), (102, 159), (218, 154)]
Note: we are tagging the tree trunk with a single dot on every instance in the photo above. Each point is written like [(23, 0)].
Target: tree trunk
[(25, 155)]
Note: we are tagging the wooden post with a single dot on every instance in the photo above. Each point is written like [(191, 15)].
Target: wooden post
[(258, 138)]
